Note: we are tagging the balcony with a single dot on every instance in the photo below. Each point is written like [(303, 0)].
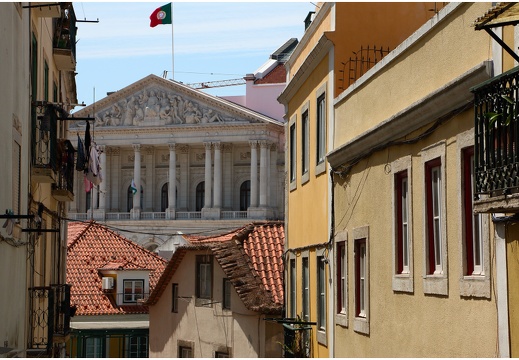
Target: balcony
[(496, 155), (64, 42), (44, 144), (63, 189), (49, 317)]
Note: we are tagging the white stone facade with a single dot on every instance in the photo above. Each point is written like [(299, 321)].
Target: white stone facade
[(227, 162)]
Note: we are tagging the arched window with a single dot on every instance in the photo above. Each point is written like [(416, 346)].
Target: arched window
[(130, 198), (164, 197), (245, 195), (200, 196)]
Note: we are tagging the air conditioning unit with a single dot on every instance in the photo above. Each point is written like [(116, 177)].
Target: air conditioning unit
[(108, 283)]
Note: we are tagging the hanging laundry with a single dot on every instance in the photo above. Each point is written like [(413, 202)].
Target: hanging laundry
[(94, 166), (81, 161), (88, 142), (88, 184)]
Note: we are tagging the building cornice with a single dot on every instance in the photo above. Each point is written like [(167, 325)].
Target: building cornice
[(321, 15), (311, 61), (453, 95)]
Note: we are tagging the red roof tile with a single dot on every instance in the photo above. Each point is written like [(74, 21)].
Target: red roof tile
[(92, 247), (252, 259)]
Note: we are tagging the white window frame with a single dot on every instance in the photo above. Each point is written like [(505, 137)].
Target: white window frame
[(438, 282), (133, 296), (95, 348), (305, 287), (403, 282), (361, 321), (472, 285), (321, 299), (204, 265), (341, 283), (321, 126)]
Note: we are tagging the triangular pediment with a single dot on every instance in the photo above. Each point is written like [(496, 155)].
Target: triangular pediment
[(154, 101)]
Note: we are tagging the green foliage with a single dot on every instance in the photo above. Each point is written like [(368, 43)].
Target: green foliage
[(492, 117)]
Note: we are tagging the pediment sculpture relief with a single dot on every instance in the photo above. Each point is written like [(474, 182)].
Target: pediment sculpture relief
[(155, 107)]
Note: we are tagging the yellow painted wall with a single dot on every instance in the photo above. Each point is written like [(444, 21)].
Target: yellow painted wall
[(455, 47), (380, 24), (512, 253), (412, 324)]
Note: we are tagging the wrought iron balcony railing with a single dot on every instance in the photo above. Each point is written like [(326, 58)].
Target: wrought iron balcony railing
[(496, 126), (44, 138), (63, 189), (64, 42), (49, 316)]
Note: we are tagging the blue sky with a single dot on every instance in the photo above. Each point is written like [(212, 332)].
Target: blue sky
[(212, 41)]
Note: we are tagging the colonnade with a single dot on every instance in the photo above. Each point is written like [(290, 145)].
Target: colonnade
[(213, 182)]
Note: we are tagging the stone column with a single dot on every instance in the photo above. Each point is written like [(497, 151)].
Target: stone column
[(207, 198), (104, 170), (136, 211), (149, 175), (217, 175), (185, 188), (115, 176), (263, 173), (253, 174), (172, 182)]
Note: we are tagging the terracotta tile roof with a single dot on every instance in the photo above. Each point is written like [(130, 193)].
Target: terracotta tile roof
[(92, 247), (252, 259)]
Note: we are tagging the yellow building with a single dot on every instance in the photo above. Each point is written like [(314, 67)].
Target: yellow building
[(37, 72), (496, 161), (341, 43), (415, 265)]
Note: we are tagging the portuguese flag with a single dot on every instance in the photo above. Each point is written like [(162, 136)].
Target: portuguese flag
[(161, 15)]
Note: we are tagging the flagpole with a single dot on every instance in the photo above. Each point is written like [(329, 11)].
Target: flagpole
[(172, 46)]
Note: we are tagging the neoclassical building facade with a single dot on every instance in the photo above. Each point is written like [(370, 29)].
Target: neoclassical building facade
[(174, 159)]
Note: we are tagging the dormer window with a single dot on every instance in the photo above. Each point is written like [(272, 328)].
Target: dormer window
[(133, 290)]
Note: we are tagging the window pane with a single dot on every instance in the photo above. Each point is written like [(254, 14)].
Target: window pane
[(306, 290), (292, 288), (292, 152)]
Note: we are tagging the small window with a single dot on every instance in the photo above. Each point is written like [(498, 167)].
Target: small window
[(321, 295), (164, 197), (200, 196), (94, 347), (305, 142), (473, 222), (220, 354), (293, 152), (137, 347), (342, 297), (185, 352), (245, 195), (46, 81), (293, 288), (306, 289), (226, 303), (133, 290), (402, 223), (204, 277), (433, 182), (174, 298), (360, 278), (361, 293), (321, 128)]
